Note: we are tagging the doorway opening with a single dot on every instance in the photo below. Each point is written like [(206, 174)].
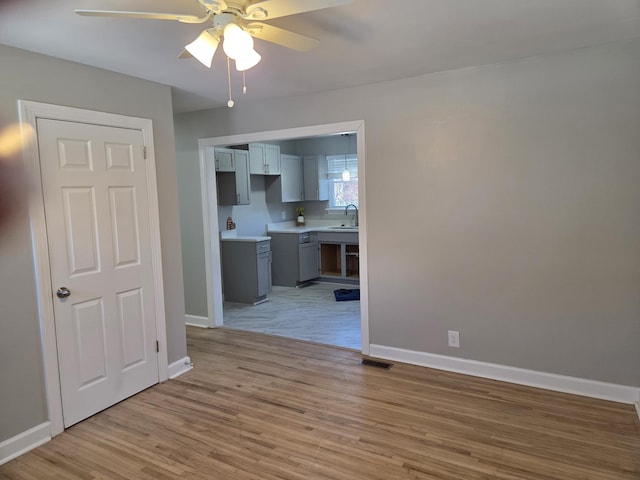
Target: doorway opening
[(212, 228)]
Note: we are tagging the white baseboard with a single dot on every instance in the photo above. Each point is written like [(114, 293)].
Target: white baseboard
[(532, 378), (23, 442), (179, 367), (196, 321)]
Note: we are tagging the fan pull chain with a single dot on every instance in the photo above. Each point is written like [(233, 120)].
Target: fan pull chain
[(244, 83), (230, 103)]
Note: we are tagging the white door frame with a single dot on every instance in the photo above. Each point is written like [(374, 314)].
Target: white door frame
[(29, 113), (210, 212)]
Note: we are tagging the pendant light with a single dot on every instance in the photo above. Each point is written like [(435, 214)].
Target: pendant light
[(346, 174)]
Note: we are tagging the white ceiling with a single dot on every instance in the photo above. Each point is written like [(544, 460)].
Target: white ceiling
[(364, 42)]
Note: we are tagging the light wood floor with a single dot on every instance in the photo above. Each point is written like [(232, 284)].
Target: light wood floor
[(264, 408), (305, 313)]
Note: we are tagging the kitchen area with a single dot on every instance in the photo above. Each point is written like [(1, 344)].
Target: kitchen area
[(289, 246)]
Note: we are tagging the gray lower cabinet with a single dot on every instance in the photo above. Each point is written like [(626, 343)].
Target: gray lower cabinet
[(308, 258), (295, 258), (263, 274), (246, 270), (339, 256)]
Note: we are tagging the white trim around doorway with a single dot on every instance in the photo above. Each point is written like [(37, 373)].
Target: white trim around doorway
[(210, 212), (29, 113)]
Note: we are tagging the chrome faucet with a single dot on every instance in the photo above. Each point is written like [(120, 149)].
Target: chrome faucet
[(354, 222)]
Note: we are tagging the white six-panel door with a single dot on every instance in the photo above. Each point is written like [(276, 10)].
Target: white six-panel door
[(96, 209)]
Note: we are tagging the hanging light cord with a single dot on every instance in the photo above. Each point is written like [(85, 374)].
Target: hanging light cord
[(230, 103)]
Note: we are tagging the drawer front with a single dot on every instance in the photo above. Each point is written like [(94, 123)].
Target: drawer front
[(338, 237), (304, 237), (262, 247)]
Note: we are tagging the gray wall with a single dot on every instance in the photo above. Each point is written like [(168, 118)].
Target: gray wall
[(502, 201), (30, 76)]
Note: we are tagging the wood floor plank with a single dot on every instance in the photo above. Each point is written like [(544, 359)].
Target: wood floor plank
[(260, 407)]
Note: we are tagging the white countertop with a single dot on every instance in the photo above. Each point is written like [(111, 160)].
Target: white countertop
[(291, 229), (245, 238), (312, 226), (232, 236), (288, 227)]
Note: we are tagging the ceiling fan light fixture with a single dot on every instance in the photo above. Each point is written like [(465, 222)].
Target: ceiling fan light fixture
[(204, 47), (237, 42), (248, 60), (235, 23)]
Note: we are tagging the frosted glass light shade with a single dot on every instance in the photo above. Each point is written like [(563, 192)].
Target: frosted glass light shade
[(237, 42), (248, 60), (346, 175), (203, 48)]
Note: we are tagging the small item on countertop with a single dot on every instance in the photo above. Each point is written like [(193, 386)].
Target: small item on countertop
[(300, 219), (230, 224)]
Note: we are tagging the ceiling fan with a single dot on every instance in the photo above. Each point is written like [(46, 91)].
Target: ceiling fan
[(236, 21)]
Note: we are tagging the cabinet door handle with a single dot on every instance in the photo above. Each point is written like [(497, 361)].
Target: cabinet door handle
[(238, 197), (217, 164)]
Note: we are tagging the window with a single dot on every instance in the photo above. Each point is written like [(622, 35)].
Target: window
[(342, 192)]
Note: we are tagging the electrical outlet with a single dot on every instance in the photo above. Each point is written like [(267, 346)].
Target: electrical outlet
[(284, 215), (454, 338)]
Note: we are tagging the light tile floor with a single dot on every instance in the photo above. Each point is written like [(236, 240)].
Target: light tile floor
[(306, 313)]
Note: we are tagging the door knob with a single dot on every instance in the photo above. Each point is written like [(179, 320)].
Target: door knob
[(63, 292)]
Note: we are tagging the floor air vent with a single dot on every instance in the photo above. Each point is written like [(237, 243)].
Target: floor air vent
[(373, 363)]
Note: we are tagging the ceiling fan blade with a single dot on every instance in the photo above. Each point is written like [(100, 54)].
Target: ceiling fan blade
[(149, 15), (215, 6), (268, 9), (281, 36)]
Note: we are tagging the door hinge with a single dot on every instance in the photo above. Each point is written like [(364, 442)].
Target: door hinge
[(144, 151), (157, 346)]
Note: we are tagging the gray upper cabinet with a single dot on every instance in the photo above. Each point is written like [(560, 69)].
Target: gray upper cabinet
[(243, 182), (264, 159), (224, 160), (232, 175), (316, 180), (292, 183)]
